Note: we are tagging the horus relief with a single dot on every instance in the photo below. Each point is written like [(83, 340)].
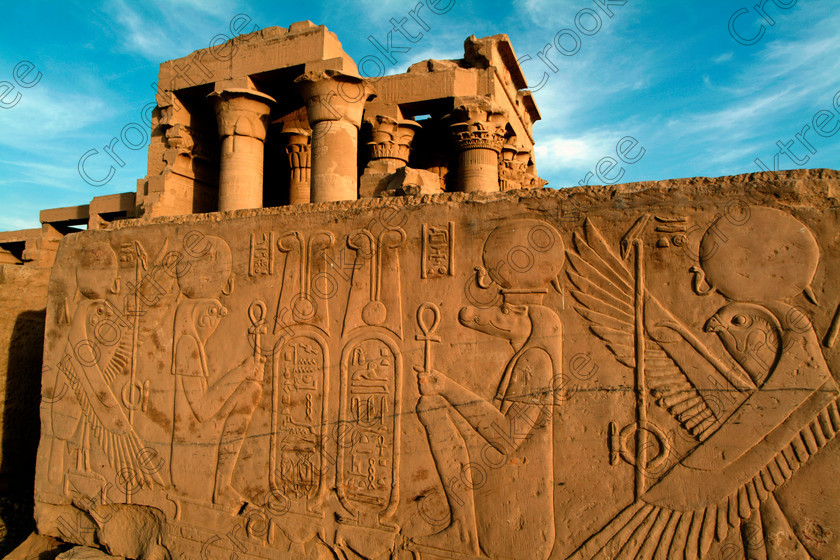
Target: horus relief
[(642, 384), (786, 398), (211, 413)]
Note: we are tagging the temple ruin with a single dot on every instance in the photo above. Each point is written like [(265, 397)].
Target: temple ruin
[(342, 318)]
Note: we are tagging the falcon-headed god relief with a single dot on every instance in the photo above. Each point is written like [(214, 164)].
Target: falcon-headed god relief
[(513, 431), (785, 408), (212, 410)]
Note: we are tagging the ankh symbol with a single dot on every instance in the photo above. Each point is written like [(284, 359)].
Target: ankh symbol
[(428, 329), (257, 313)]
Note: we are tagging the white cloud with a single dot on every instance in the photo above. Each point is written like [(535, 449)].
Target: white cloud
[(737, 120), (556, 151), (44, 113), (8, 223), (431, 52), (143, 36), (157, 30), (53, 175)]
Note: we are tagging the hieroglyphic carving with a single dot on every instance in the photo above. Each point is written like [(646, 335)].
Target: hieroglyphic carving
[(487, 457), (375, 288), (368, 462), (134, 393), (606, 292), (743, 458), (438, 251), (94, 370), (428, 329), (672, 230), (300, 381), (261, 256), (257, 314), (299, 421), (370, 400), (304, 297), (211, 410)]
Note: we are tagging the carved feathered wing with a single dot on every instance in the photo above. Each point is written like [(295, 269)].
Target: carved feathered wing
[(605, 294), (645, 531), (109, 425), (661, 524)]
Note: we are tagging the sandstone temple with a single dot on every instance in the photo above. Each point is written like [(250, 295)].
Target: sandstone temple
[(342, 318)]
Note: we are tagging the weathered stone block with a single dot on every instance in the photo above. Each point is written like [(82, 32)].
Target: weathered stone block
[(636, 371)]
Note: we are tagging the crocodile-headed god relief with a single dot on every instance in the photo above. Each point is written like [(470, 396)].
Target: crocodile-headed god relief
[(412, 382)]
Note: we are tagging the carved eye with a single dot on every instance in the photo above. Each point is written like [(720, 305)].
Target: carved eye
[(213, 311), (505, 309), (739, 320)]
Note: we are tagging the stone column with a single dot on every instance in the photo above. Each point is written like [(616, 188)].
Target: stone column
[(298, 149), (388, 150), (242, 116), (334, 104), (479, 133), (513, 167), (390, 143)]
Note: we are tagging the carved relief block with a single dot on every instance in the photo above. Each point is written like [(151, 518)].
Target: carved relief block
[(284, 383)]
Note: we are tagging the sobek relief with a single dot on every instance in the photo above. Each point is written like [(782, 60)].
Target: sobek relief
[(290, 385)]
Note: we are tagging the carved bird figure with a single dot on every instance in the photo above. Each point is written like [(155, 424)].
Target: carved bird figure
[(787, 408), (751, 334)]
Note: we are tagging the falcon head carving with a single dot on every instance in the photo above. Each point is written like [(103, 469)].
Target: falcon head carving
[(751, 334)]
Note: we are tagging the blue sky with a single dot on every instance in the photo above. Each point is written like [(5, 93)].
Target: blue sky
[(699, 100)]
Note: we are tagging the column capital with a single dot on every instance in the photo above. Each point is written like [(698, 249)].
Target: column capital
[(298, 147), (242, 116), (299, 151), (331, 95), (513, 168), (478, 125), (391, 138), (241, 112)]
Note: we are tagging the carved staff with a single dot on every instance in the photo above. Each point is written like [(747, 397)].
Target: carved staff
[(639, 335), (632, 242), (140, 259)]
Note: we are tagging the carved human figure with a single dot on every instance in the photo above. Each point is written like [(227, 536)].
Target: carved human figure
[(211, 411), (495, 457)]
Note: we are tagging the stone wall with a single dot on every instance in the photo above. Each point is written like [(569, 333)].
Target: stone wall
[(642, 370)]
